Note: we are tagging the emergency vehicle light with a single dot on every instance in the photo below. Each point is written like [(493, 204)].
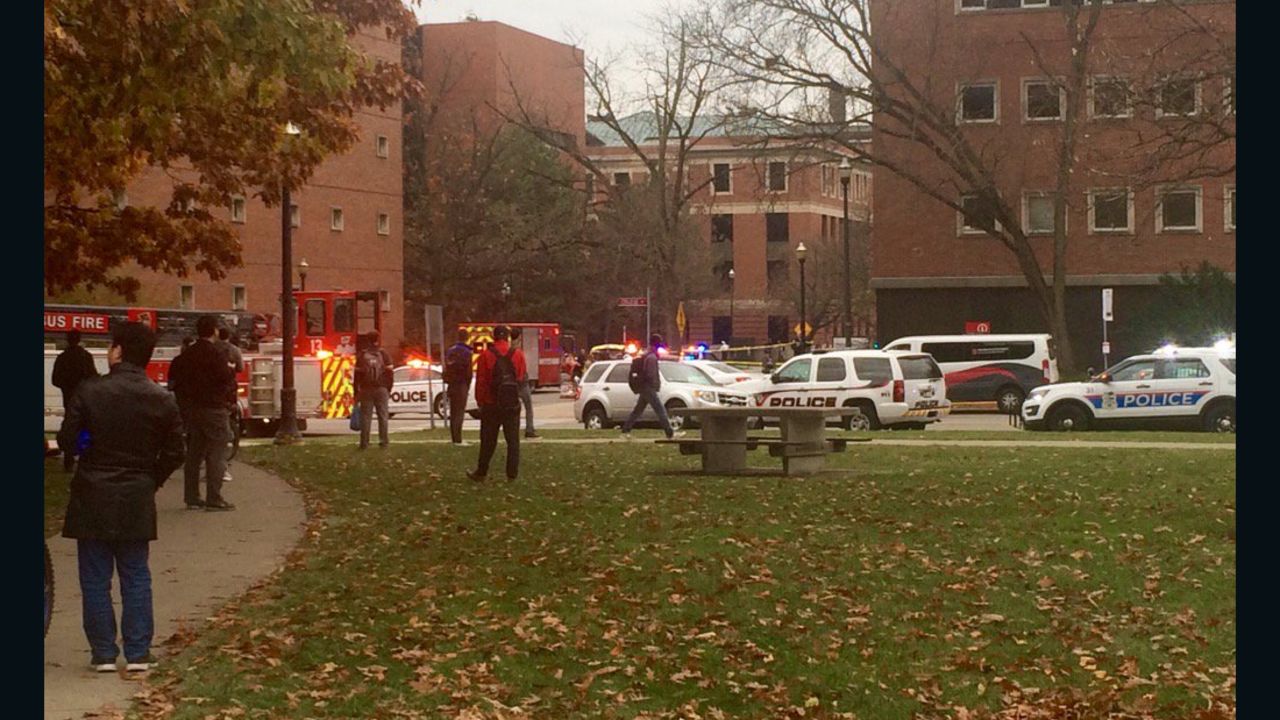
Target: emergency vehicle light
[(324, 354), (1224, 344)]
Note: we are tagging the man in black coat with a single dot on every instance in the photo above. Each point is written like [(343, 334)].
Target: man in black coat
[(72, 367), (204, 383), (134, 444)]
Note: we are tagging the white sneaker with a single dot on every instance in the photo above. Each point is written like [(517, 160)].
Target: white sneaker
[(627, 436), (103, 667), (226, 477)]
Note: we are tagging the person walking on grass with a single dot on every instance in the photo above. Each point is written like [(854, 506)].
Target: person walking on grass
[(457, 380), (374, 381), (526, 393), (73, 366), (134, 443), (203, 382), (499, 373), (645, 381)]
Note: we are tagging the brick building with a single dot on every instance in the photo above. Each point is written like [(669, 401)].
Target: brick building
[(933, 271), (347, 226), (756, 203)]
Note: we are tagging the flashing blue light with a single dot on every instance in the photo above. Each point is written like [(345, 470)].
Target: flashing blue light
[(875, 346), (702, 347)]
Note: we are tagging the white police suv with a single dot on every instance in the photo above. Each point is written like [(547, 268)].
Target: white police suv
[(1171, 387)]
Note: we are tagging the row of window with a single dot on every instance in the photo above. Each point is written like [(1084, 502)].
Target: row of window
[(859, 184), (337, 219), (777, 227), (240, 299), (974, 5), (1109, 97), (778, 327), (1110, 210)]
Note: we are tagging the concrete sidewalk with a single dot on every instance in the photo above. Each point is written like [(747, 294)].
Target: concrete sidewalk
[(200, 560), (692, 436)]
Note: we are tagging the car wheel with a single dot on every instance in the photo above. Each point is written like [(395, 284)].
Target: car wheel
[(441, 405), (1009, 400), (594, 418), (868, 420), (1220, 418), (678, 422), (1068, 418)]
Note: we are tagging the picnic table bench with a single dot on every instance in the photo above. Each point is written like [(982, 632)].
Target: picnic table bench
[(723, 445)]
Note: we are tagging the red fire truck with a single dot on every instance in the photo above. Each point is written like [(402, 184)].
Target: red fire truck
[(330, 327), (541, 342)]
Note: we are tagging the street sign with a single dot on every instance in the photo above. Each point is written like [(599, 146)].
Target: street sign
[(681, 320), (977, 327), (633, 301), (1106, 348), (1106, 305)]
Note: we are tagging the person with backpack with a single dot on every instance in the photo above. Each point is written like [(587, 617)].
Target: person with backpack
[(373, 382), (72, 367), (457, 381), (645, 381), (499, 373)]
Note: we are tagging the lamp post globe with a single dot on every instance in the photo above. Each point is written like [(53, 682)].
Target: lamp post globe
[(801, 253)]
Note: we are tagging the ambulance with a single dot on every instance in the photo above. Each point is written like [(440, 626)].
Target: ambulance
[(1172, 387)]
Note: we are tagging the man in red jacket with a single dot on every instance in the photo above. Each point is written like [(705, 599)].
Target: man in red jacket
[(499, 373)]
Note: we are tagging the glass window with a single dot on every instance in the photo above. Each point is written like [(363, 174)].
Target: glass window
[(795, 371), (384, 146), (238, 210), (978, 216), (720, 178), (777, 227), (919, 367), (384, 223), (239, 297), (1230, 363), (831, 370), (401, 374), (1179, 209), (619, 373), (1109, 210), (777, 275), (978, 103), (622, 179), (1230, 214), (948, 351), (777, 176), (1180, 369), (315, 317), (724, 368), (677, 372), (344, 315), (1179, 97), (900, 346), (594, 373), (1110, 97), (876, 370), (1039, 220), (335, 218), (721, 228), (779, 329), (1134, 370), (1042, 100)]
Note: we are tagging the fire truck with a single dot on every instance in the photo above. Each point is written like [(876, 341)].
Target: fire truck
[(542, 344), (329, 333)]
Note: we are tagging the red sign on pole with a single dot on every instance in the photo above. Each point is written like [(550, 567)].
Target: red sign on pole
[(633, 301), (977, 327), (93, 323), (144, 316)]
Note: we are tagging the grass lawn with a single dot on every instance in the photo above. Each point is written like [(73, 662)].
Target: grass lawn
[(920, 581)]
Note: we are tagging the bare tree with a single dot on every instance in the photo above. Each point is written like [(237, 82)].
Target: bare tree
[(790, 55)]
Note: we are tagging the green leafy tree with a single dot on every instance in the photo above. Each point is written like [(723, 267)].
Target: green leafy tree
[(199, 91), (1195, 307)]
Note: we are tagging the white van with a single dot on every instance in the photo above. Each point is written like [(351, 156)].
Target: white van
[(987, 368)]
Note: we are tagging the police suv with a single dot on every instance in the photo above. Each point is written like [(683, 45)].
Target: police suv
[(892, 389), (1172, 387)]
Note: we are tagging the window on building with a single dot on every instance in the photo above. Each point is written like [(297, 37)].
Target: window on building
[(779, 329), (722, 228), (295, 215), (239, 297), (978, 102), (1111, 210), (777, 275), (1229, 94), (721, 178), (828, 173), (826, 229), (384, 300), (977, 217), (1178, 97), (1110, 97), (778, 176), (238, 210), (384, 223), (622, 179), (1178, 209), (187, 297), (1230, 213), (1042, 100), (777, 227), (721, 329), (1037, 213), (384, 146), (335, 218)]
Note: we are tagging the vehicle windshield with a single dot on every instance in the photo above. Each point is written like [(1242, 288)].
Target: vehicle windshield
[(722, 367), (919, 367), (677, 372)]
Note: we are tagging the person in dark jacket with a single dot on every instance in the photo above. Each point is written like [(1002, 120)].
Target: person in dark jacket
[(526, 392), (134, 443), (374, 380), (73, 366), (651, 383), (457, 380), (498, 395), (203, 383)]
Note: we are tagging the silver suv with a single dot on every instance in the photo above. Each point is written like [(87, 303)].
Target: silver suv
[(606, 399)]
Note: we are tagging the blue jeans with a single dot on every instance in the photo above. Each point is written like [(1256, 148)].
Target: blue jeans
[(648, 397), (137, 623)]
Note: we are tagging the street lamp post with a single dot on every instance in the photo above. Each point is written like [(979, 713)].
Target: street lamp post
[(846, 172), (732, 291), (302, 274), (801, 252), (288, 433)]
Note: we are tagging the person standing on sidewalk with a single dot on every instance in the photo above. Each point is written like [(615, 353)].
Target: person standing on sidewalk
[(135, 443), (526, 391), (73, 366), (457, 380), (374, 381), (645, 382), (499, 374), (204, 381)]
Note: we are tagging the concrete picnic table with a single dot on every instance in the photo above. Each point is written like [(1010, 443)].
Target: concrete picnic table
[(724, 442)]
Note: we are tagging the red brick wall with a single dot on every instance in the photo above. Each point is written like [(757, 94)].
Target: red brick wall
[(915, 236)]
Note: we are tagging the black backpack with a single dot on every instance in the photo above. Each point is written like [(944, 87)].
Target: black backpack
[(635, 379), (505, 382), (457, 365), (374, 368)]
